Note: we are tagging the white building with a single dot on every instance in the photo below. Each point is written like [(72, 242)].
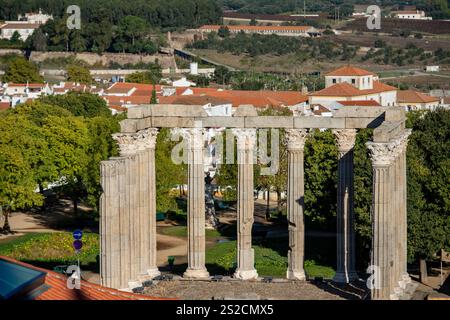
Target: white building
[(411, 14), (353, 84), (24, 28), (35, 17), (432, 68), (182, 83), (413, 100)]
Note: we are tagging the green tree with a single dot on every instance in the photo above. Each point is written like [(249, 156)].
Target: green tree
[(79, 104), (168, 174), (37, 41), (15, 38), (79, 74), (20, 70), (428, 159)]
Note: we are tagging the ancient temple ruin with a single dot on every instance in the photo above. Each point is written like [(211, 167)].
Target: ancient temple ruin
[(128, 208)]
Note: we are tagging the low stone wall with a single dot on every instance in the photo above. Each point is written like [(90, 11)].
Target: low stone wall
[(5, 52), (106, 59)]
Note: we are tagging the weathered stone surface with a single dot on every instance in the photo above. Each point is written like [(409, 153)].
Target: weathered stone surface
[(361, 123), (174, 122), (359, 112), (387, 131), (318, 122), (246, 142), (222, 122), (246, 110), (128, 125), (269, 122), (172, 110), (296, 139), (394, 114), (144, 123)]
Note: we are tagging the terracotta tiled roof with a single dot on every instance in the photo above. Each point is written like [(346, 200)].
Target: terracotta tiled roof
[(29, 85), (122, 100), (410, 96), (193, 100), (345, 89), (350, 71), (17, 26), (57, 288), (360, 103), (259, 28), (125, 87), (262, 98), (318, 109)]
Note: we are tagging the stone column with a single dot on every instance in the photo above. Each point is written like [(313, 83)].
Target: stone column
[(382, 158), (296, 139), (109, 225), (345, 271), (147, 195), (152, 269), (246, 143), (389, 225), (137, 196), (194, 139)]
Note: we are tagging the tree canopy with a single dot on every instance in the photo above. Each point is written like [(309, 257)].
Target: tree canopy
[(20, 70)]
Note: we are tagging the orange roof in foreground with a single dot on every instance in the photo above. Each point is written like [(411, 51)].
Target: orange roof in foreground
[(345, 89), (258, 28), (58, 290), (349, 71), (410, 96)]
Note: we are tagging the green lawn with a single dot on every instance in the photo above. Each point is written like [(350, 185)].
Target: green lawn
[(221, 259), (48, 250)]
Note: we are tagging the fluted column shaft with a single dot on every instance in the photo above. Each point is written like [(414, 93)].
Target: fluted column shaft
[(388, 221), (196, 204), (128, 212), (345, 271), (246, 143), (295, 203)]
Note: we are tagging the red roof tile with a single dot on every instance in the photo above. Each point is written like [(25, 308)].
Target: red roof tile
[(345, 89), (350, 71), (58, 290), (410, 96), (360, 103)]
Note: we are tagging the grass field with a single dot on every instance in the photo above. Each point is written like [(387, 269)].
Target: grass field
[(48, 250), (221, 259)]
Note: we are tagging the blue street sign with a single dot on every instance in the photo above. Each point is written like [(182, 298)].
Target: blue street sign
[(78, 234), (77, 244)]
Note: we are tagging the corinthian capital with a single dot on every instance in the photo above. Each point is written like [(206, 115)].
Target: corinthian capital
[(296, 138), (246, 138), (386, 153), (132, 143), (345, 139)]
